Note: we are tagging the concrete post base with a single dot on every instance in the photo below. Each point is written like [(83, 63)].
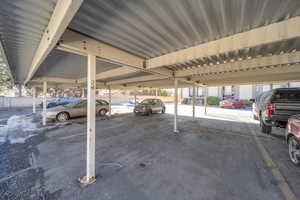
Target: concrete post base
[(84, 181)]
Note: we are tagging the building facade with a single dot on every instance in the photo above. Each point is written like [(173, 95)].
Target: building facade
[(238, 92)]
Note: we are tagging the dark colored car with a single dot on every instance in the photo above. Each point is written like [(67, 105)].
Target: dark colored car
[(232, 103), (293, 138), (274, 107), (149, 106)]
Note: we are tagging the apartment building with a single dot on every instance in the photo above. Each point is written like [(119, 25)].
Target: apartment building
[(238, 92)]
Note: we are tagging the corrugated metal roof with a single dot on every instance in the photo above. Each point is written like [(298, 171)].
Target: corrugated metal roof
[(67, 65), (147, 28), (150, 28), (22, 23)]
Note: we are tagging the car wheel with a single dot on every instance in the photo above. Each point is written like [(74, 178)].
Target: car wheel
[(102, 112), (265, 128), (163, 110), (63, 116), (294, 151)]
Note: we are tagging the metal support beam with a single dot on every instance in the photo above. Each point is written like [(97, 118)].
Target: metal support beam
[(241, 65), (81, 44), (44, 103), (194, 101), (82, 93), (175, 104), (91, 122), (34, 100), (62, 15), (20, 90), (109, 101), (275, 32), (135, 98), (137, 79), (54, 79), (205, 100), (112, 73)]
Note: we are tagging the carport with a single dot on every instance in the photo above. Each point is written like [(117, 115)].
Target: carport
[(148, 44)]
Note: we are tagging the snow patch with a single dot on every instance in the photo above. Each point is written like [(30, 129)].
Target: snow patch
[(18, 129)]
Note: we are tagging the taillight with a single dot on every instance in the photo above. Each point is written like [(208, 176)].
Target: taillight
[(270, 109)]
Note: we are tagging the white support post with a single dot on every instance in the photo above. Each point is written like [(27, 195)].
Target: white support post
[(44, 103), (175, 104), (20, 90), (34, 100), (194, 101), (205, 101), (82, 93), (134, 97), (91, 122), (109, 100)]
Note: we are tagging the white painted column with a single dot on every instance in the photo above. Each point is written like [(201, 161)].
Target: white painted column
[(82, 93), (175, 104), (44, 103), (91, 121), (20, 90), (205, 100), (34, 100), (109, 101), (194, 101), (135, 98)]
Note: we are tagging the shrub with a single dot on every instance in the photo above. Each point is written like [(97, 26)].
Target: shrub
[(213, 100), (184, 101)]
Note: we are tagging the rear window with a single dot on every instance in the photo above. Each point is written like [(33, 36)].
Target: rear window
[(289, 95)]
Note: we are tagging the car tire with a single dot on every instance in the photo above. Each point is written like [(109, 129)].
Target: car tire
[(265, 128), (102, 112), (293, 146), (62, 116), (163, 110)]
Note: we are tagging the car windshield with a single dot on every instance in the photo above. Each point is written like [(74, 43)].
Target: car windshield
[(147, 101), (288, 95), (72, 104)]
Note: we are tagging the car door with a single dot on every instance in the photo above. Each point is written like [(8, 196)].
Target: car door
[(79, 109), (156, 105)]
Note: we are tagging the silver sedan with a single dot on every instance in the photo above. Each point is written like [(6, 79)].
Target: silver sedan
[(76, 109)]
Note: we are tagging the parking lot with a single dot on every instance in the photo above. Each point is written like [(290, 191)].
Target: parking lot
[(140, 157)]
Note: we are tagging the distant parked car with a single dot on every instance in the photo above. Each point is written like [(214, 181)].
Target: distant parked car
[(76, 109), (293, 139), (149, 106), (132, 101), (59, 101), (232, 103), (274, 107)]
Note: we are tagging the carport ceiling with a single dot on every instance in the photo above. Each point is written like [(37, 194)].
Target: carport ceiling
[(148, 41)]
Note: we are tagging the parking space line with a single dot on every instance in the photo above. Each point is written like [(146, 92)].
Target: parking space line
[(71, 136), (279, 178)]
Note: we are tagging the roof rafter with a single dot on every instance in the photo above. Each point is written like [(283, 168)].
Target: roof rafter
[(275, 32), (78, 43), (283, 59), (63, 13)]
